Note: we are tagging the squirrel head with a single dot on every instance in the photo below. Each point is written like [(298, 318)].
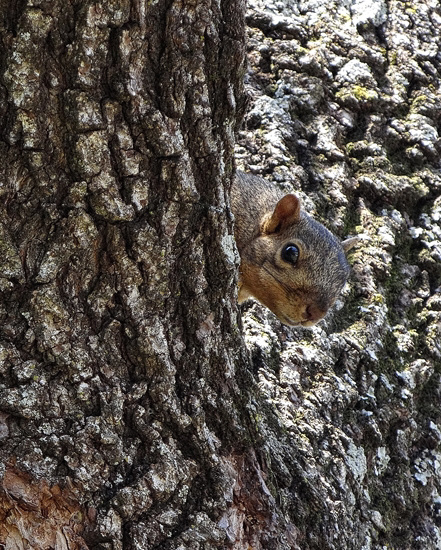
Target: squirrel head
[(293, 265)]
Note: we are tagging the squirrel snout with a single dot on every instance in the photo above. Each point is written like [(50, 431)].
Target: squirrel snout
[(313, 313)]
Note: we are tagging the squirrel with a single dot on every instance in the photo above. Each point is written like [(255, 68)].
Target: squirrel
[(288, 261)]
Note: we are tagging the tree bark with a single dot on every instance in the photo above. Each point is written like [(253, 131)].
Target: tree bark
[(345, 112), (131, 414), (119, 335)]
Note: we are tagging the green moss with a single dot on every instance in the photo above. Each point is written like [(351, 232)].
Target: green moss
[(418, 102), (364, 94), (356, 95), (378, 299)]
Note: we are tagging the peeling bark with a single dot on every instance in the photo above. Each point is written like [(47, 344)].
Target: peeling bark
[(34, 515)]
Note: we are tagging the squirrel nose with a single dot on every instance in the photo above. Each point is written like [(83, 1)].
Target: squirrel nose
[(314, 313)]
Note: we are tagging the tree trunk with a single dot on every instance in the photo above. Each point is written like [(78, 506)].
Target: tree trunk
[(119, 335), (131, 416), (346, 111)]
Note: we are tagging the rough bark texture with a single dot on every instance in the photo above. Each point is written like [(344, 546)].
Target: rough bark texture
[(119, 338), (129, 414), (346, 111)]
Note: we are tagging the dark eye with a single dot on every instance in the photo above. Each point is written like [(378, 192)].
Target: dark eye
[(290, 253)]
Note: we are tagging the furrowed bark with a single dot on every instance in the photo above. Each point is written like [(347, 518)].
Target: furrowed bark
[(119, 336)]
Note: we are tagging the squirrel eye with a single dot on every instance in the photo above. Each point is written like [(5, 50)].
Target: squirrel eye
[(290, 253)]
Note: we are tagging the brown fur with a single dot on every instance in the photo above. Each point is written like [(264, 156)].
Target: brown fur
[(265, 222)]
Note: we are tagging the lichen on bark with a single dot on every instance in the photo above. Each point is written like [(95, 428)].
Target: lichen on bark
[(348, 97)]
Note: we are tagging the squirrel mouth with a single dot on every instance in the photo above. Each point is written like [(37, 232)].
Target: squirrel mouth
[(309, 324), (287, 321)]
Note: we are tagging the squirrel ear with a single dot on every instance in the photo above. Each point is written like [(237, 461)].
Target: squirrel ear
[(347, 244), (286, 212)]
